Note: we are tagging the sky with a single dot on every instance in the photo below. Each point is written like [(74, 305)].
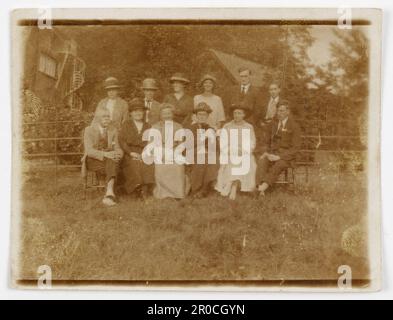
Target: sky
[(319, 52)]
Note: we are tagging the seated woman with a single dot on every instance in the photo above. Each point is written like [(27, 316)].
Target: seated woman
[(202, 175), (139, 176), (170, 176), (236, 174)]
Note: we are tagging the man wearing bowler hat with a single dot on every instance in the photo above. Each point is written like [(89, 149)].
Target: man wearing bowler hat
[(149, 87), (117, 107)]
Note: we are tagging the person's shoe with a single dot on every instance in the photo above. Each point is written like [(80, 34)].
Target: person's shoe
[(109, 201)]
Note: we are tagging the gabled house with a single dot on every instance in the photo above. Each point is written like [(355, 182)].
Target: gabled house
[(53, 72), (225, 67)]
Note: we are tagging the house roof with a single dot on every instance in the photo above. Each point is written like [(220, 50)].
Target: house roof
[(232, 63)]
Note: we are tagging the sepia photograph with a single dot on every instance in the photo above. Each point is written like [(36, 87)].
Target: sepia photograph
[(196, 148)]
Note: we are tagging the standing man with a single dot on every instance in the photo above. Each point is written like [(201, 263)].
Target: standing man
[(117, 107), (149, 87), (247, 95), (264, 118), (269, 110), (284, 144), (102, 152)]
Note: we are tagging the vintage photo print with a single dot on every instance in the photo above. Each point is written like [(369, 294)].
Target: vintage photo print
[(196, 148)]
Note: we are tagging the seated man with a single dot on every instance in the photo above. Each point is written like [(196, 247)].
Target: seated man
[(282, 148), (102, 152)]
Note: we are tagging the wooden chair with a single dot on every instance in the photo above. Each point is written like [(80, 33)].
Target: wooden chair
[(287, 177), (92, 181)]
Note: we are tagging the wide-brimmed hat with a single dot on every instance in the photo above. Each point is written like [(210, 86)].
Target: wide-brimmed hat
[(208, 77), (149, 84), (166, 105), (111, 83), (179, 77), (241, 106), (202, 106), (136, 104)]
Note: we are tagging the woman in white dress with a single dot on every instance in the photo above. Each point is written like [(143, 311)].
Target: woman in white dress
[(230, 176), (217, 116), (170, 178)]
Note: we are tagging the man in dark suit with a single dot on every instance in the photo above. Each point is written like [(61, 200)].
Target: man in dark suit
[(152, 114), (247, 95), (283, 146)]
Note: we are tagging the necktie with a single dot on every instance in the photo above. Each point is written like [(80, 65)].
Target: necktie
[(243, 90), (148, 107), (280, 125), (271, 109), (104, 137)]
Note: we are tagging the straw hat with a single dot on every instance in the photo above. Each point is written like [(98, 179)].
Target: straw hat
[(179, 77), (149, 84), (111, 83), (208, 77), (202, 106), (136, 104), (241, 106)]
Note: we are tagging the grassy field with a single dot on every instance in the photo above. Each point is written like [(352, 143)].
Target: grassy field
[(286, 235)]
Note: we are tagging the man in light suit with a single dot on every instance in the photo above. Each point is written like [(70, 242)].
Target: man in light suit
[(283, 146), (117, 107), (269, 106), (265, 116), (247, 95), (149, 87), (102, 152)]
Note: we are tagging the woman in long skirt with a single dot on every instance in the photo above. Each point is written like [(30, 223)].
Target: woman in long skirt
[(170, 176), (237, 175), (139, 176)]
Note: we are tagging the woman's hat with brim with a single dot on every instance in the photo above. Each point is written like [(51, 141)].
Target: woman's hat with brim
[(202, 107), (180, 77), (167, 105), (111, 83), (136, 104), (241, 106), (208, 77), (149, 84)]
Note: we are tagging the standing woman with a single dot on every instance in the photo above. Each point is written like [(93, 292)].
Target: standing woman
[(228, 181), (217, 115), (139, 176), (183, 103), (169, 176)]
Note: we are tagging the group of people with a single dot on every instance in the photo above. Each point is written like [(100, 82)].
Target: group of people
[(115, 141)]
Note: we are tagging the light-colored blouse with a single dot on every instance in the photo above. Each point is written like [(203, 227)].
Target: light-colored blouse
[(215, 103)]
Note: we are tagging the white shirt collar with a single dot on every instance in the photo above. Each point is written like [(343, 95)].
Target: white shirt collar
[(245, 86), (102, 129), (284, 122)]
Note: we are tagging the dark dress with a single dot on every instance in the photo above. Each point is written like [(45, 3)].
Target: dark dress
[(202, 174), (183, 107), (135, 172)]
